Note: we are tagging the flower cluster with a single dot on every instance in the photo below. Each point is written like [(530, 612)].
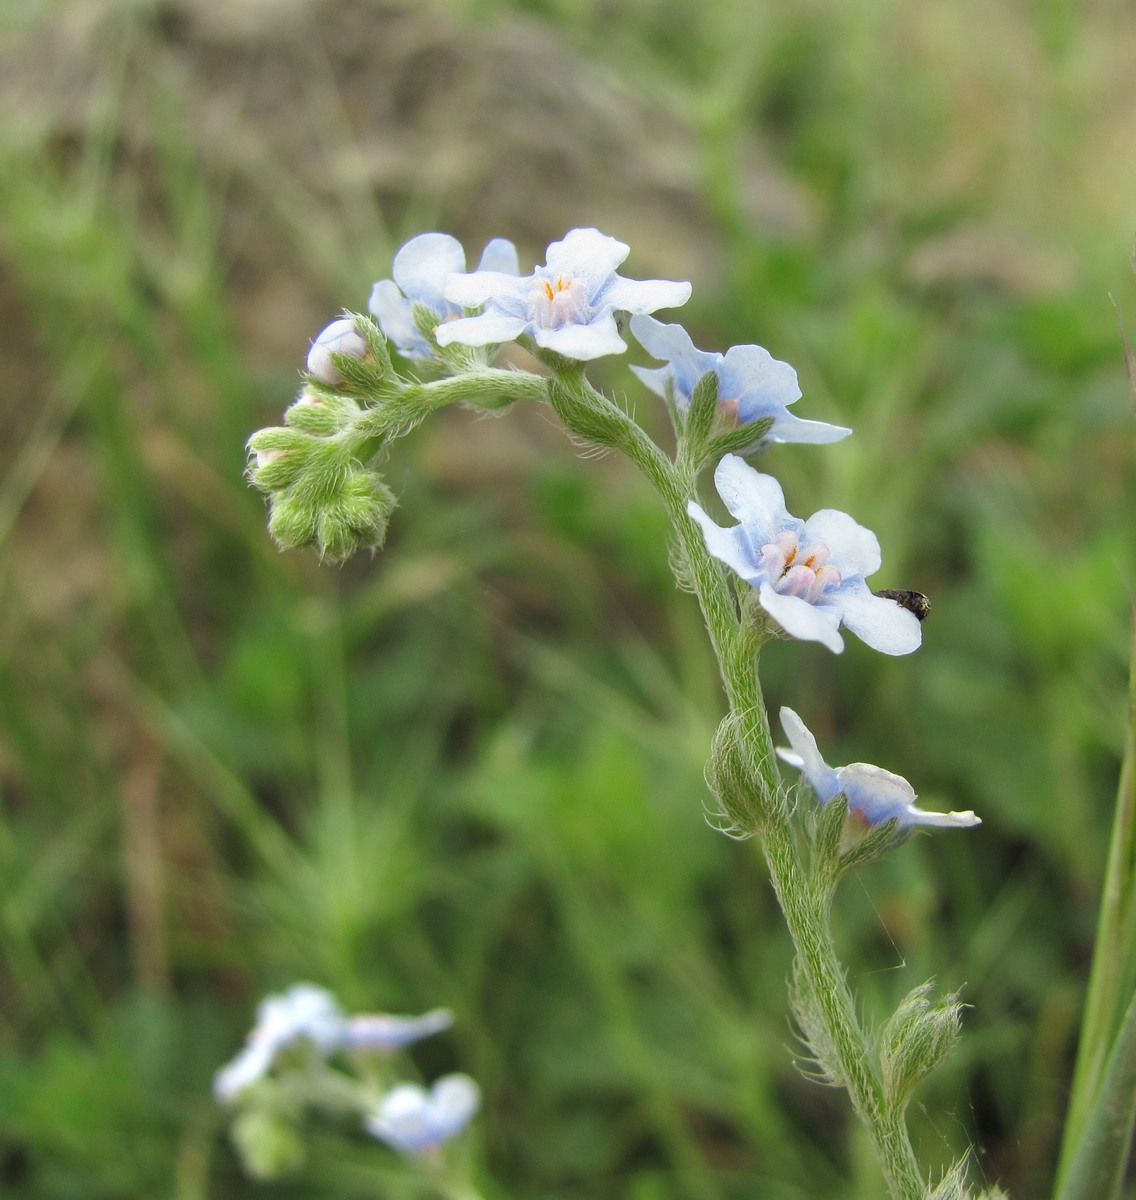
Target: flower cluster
[(286, 1053), (808, 578)]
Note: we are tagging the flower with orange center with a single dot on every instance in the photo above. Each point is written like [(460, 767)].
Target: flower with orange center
[(569, 305), (809, 575)]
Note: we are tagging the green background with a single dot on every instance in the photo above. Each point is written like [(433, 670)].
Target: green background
[(469, 771)]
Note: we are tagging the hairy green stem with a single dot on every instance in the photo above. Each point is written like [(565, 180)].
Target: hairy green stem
[(486, 388)]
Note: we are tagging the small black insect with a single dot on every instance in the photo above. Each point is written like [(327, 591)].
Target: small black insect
[(914, 602)]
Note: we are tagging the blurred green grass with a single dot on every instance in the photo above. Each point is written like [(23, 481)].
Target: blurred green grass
[(469, 772)]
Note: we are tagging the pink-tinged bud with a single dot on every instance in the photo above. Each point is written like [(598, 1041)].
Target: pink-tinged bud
[(307, 398), (340, 337)]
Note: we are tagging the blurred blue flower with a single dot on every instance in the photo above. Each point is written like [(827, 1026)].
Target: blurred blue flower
[(304, 1013), (874, 794), (340, 337), (382, 1031), (420, 271), (810, 574), (416, 1121), (568, 306), (752, 384)]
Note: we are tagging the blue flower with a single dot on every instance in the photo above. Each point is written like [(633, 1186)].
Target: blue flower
[(568, 306), (304, 1013), (420, 271), (381, 1031), (752, 384), (874, 794), (416, 1121), (340, 337), (809, 575)]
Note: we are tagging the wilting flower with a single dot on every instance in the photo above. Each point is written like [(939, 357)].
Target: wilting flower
[(382, 1031), (420, 271), (304, 1013), (809, 575), (568, 306), (340, 337), (873, 793), (416, 1121), (752, 384)]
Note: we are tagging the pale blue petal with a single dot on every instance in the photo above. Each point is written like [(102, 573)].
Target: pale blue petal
[(500, 255), (755, 499), (655, 378), (877, 794), (687, 364), (788, 428), (250, 1065), (586, 254), (384, 1031), (667, 342), (422, 266), (729, 546), (880, 796), (878, 622), (644, 295), (955, 820), (760, 383), (582, 342), (340, 337), (855, 550), (820, 775), (484, 330), (416, 1121), (396, 319), (456, 1101), (803, 620), (483, 287)]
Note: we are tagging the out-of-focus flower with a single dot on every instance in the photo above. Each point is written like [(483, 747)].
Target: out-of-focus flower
[(382, 1031), (340, 337), (752, 384), (568, 306), (874, 794), (416, 1121), (809, 575), (420, 271), (304, 1013)]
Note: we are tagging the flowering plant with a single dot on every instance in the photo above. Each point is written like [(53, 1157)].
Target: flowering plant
[(770, 575)]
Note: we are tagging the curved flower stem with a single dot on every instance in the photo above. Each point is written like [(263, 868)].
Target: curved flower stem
[(805, 907), (486, 388)]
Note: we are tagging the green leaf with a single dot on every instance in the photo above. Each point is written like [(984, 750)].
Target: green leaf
[(1100, 1159), (700, 415), (1112, 982)]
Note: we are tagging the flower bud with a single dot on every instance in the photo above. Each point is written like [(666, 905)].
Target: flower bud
[(268, 1144), (318, 415), (277, 457), (340, 337), (915, 1040)]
